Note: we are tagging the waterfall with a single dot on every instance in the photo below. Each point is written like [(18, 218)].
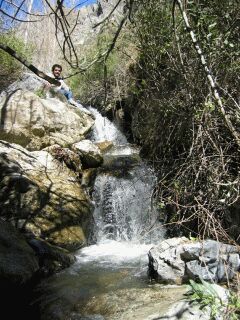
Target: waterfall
[(126, 220), (124, 210), (104, 129)]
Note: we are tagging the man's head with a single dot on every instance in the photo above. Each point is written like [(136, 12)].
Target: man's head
[(56, 70)]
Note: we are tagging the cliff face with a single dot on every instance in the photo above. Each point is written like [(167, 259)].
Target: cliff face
[(41, 35)]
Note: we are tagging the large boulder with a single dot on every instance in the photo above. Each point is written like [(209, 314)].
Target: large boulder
[(19, 267), (51, 258), (36, 123), (177, 260), (43, 196)]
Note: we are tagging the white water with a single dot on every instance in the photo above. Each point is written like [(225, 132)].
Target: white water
[(112, 252), (123, 210), (105, 130), (126, 222)]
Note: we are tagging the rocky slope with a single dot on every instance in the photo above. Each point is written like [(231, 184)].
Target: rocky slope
[(41, 195)]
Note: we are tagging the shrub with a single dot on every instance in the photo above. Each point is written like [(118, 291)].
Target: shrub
[(176, 119), (206, 295), (10, 68)]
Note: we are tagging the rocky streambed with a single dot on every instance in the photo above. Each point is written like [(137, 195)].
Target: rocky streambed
[(80, 234)]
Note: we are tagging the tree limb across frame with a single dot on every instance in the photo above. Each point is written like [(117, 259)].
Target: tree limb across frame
[(31, 67)]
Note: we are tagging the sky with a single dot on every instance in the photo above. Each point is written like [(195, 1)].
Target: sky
[(37, 6), (68, 3)]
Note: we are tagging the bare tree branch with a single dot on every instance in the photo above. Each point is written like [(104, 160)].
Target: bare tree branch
[(109, 15), (39, 73), (15, 18), (64, 32), (22, 10), (105, 54), (18, 9), (64, 28), (76, 6)]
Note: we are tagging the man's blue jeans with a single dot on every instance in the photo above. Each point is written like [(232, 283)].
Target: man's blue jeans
[(67, 93)]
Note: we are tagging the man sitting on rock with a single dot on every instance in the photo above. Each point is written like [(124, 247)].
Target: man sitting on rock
[(64, 89)]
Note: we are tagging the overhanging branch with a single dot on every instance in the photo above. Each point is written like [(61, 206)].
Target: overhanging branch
[(31, 67)]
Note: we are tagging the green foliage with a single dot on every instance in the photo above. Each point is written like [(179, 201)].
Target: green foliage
[(106, 81), (10, 67), (205, 294), (233, 306), (176, 118), (193, 238), (217, 27), (40, 93)]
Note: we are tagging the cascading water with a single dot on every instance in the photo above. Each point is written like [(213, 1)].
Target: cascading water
[(105, 130), (126, 226), (123, 210), (126, 222)]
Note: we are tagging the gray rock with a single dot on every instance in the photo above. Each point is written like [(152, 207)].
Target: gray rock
[(195, 270), (227, 266), (121, 156), (191, 253), (165, 263), (27, 81), (177, 260)]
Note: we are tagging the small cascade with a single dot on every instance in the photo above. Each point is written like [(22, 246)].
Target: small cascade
[(105, 130), (124, 215), (124, 210)]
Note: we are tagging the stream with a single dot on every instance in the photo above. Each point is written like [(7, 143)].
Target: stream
[(109, 280)]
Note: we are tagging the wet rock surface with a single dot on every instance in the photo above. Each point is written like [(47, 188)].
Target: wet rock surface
[(18, 262)]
